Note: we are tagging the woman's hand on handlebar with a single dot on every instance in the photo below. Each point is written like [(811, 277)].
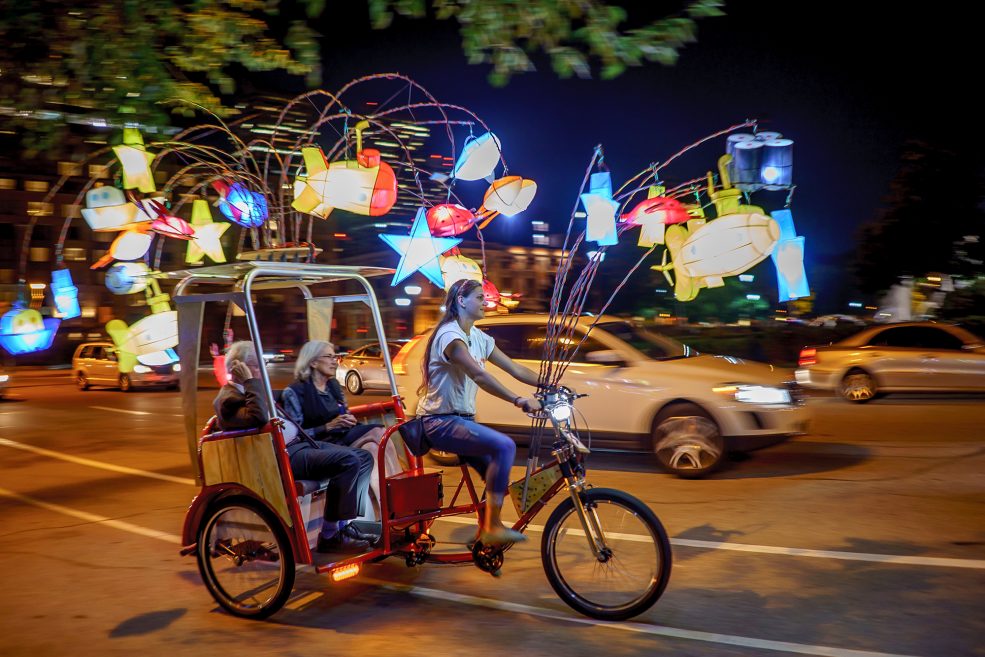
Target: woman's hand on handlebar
[(528, 404)]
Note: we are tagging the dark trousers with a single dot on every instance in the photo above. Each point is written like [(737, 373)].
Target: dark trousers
[(347, 469)]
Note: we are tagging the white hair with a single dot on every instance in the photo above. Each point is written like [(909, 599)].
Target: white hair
[(307, 355), (239, 351)]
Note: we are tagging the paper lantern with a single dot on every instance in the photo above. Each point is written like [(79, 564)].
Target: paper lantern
[(419, 251), (490, 294), (747, 163), (784, 219), (777, 166), (479, 158), (727, 246), (207, 235), (135, 161), (108, 209), (601, 210), (458, 267), (127, 277), (153, 333), (165, 223), (158, 358), (449, 219), (240, 205), (365, 186), (791, 277), (508, 196), (130, 245), (64, 294), (736, 138), (23, 331)]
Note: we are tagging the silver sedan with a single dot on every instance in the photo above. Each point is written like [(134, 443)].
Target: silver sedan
[(363, 368), (909, 357)]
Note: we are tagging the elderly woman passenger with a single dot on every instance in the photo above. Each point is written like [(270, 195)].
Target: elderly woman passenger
[(316, 402)]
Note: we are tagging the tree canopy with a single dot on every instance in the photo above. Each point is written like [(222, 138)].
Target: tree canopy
[(85, 60)]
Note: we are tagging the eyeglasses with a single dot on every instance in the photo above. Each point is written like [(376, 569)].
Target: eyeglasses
[(330, 356)]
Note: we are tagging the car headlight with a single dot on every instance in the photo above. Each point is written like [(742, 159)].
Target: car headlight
[(4, 378), (755, 394), (176, 368), (141, 369)]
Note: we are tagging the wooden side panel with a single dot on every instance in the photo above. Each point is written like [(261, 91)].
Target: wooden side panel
[(251, 462)]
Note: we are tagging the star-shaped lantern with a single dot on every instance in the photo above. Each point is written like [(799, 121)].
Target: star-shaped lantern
[(419, 251), (135, 161), (601, 210), (207, 234)]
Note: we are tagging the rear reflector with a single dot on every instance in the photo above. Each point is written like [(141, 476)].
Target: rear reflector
[(345, 572), (808, 356)]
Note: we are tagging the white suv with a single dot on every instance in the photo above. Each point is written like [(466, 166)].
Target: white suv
[(646, 392)]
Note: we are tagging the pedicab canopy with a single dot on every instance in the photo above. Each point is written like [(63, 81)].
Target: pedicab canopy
[(237, 283)]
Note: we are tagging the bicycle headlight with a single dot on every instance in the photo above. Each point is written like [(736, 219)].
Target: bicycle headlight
[(176, 368), (561, 412), (141, 369), (755, 394)]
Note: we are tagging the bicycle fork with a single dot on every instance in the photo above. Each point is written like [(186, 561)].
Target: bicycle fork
[(587, 513)]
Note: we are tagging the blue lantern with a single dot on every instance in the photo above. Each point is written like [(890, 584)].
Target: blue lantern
[(241, 206), (65, 294), (22, 331)]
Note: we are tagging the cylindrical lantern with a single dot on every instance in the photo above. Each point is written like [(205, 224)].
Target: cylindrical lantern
[(746, 160), (766, 135), (777, 164), (127, 277), (737, 138)]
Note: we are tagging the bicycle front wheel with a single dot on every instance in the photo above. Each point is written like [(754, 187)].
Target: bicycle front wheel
[(632, 566)]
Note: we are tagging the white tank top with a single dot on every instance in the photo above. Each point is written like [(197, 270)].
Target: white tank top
[(451, 390)]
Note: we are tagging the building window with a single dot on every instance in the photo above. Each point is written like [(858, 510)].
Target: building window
[(71, 211), (74, 254), (39, 209), (40, 254), (70, 168), (541, 240), (98, 171), (8, 183), (36, 185)]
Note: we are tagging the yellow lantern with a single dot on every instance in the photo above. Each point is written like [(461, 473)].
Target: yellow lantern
[(135, 161)]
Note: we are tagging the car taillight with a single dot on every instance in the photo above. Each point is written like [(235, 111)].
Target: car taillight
[(400, 360), (808, 356)]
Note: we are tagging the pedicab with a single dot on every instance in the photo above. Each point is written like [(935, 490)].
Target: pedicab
[(604, 552)]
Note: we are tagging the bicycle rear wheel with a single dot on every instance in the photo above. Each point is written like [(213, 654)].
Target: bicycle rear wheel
[(632, 569), (245, 558)]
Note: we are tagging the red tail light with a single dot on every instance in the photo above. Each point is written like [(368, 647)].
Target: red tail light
[(808, 356), (400, 360)]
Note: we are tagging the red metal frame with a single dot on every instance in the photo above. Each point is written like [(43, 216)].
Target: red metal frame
[(299, 536)]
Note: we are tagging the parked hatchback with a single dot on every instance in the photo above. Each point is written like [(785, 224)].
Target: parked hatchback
[(363, 368), (646, 392), (96, 363), (909, 357)]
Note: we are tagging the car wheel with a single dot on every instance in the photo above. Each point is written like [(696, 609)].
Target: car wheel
[(858, 386), (687, 442), (125, 384), (353, 383), (444, 458), (82, 381)]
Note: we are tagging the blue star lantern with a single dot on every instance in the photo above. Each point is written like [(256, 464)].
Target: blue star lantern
[(419, 251)]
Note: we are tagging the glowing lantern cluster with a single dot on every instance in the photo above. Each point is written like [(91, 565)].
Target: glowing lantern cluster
[(240, 205), (763, 160), (23, 331)]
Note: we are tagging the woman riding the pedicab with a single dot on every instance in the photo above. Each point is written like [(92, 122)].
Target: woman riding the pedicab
[(453, 371)]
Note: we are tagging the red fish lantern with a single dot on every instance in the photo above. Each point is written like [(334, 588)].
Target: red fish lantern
[(491, 293), (672, 212)]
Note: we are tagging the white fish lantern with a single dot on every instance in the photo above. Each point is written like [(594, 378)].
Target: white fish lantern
[(127, 277), (23, 331), (420, 251), (64, 294), (153, 333), (130, 245), (776, 171), (135, 161), (479, 158), (108, 209), (158, 358), (508, 196)]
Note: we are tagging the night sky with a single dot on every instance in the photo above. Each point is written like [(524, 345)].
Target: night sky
[(848, 82)]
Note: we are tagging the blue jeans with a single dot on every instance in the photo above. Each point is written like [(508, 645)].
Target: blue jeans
[(487, 450)]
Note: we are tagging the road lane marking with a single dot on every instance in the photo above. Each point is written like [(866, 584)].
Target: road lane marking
[(943, 562), (894, 559), (120, 410), (95, 464), (628, 626), (92, 517)]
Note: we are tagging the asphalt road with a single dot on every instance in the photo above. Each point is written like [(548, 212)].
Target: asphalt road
[(866, 537)]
